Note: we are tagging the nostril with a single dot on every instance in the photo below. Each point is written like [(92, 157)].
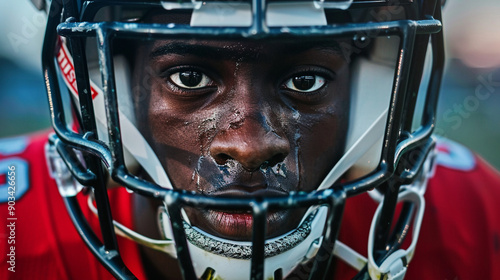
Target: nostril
[(222, 158), (275, 160)]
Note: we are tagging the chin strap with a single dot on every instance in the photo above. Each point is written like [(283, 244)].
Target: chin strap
[(163, 245), (395, 265)]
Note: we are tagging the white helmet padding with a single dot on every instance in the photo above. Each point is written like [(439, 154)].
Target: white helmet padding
[(372, 81), (371, 88)]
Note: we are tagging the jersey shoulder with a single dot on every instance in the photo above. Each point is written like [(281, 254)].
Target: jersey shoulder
[(458, 165), (460, 233), (22, 162), (453, 155)]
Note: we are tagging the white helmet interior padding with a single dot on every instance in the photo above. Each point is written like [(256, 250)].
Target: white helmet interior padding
[(372, 80)]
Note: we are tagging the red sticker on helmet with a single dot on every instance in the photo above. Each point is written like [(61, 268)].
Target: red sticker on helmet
[(65, 62)]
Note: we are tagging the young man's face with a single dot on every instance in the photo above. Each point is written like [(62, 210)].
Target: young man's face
[(243, 118)]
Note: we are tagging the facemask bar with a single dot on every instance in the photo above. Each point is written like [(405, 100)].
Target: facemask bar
[(67, 139), (412, 151), (113, 157)]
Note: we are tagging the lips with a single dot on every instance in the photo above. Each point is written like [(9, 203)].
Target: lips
[(238, 225)]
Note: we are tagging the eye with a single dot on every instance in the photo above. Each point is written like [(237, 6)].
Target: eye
[(190, 79), (305, 83)]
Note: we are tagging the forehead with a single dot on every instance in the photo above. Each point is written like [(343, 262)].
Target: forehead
[(248, 50)]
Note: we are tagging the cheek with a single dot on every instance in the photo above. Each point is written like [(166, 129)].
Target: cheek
[(180, 138), (326, 140), (319, 144), (172, 137), (321, 140)]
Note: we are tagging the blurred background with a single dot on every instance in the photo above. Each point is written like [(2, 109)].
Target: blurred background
[(469, 107)]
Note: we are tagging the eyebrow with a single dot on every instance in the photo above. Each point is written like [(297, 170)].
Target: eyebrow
[(199, 50), (235, 52)]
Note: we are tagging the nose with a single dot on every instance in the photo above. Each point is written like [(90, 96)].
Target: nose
[(252, 143)]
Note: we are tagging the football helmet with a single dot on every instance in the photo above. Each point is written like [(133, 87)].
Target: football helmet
[(388, 149)]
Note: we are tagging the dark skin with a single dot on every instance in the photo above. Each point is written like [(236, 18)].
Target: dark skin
[(239, 119)]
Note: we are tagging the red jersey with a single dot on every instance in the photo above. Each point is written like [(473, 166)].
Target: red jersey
[(460, 232), (43, 242), (459, 237)]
